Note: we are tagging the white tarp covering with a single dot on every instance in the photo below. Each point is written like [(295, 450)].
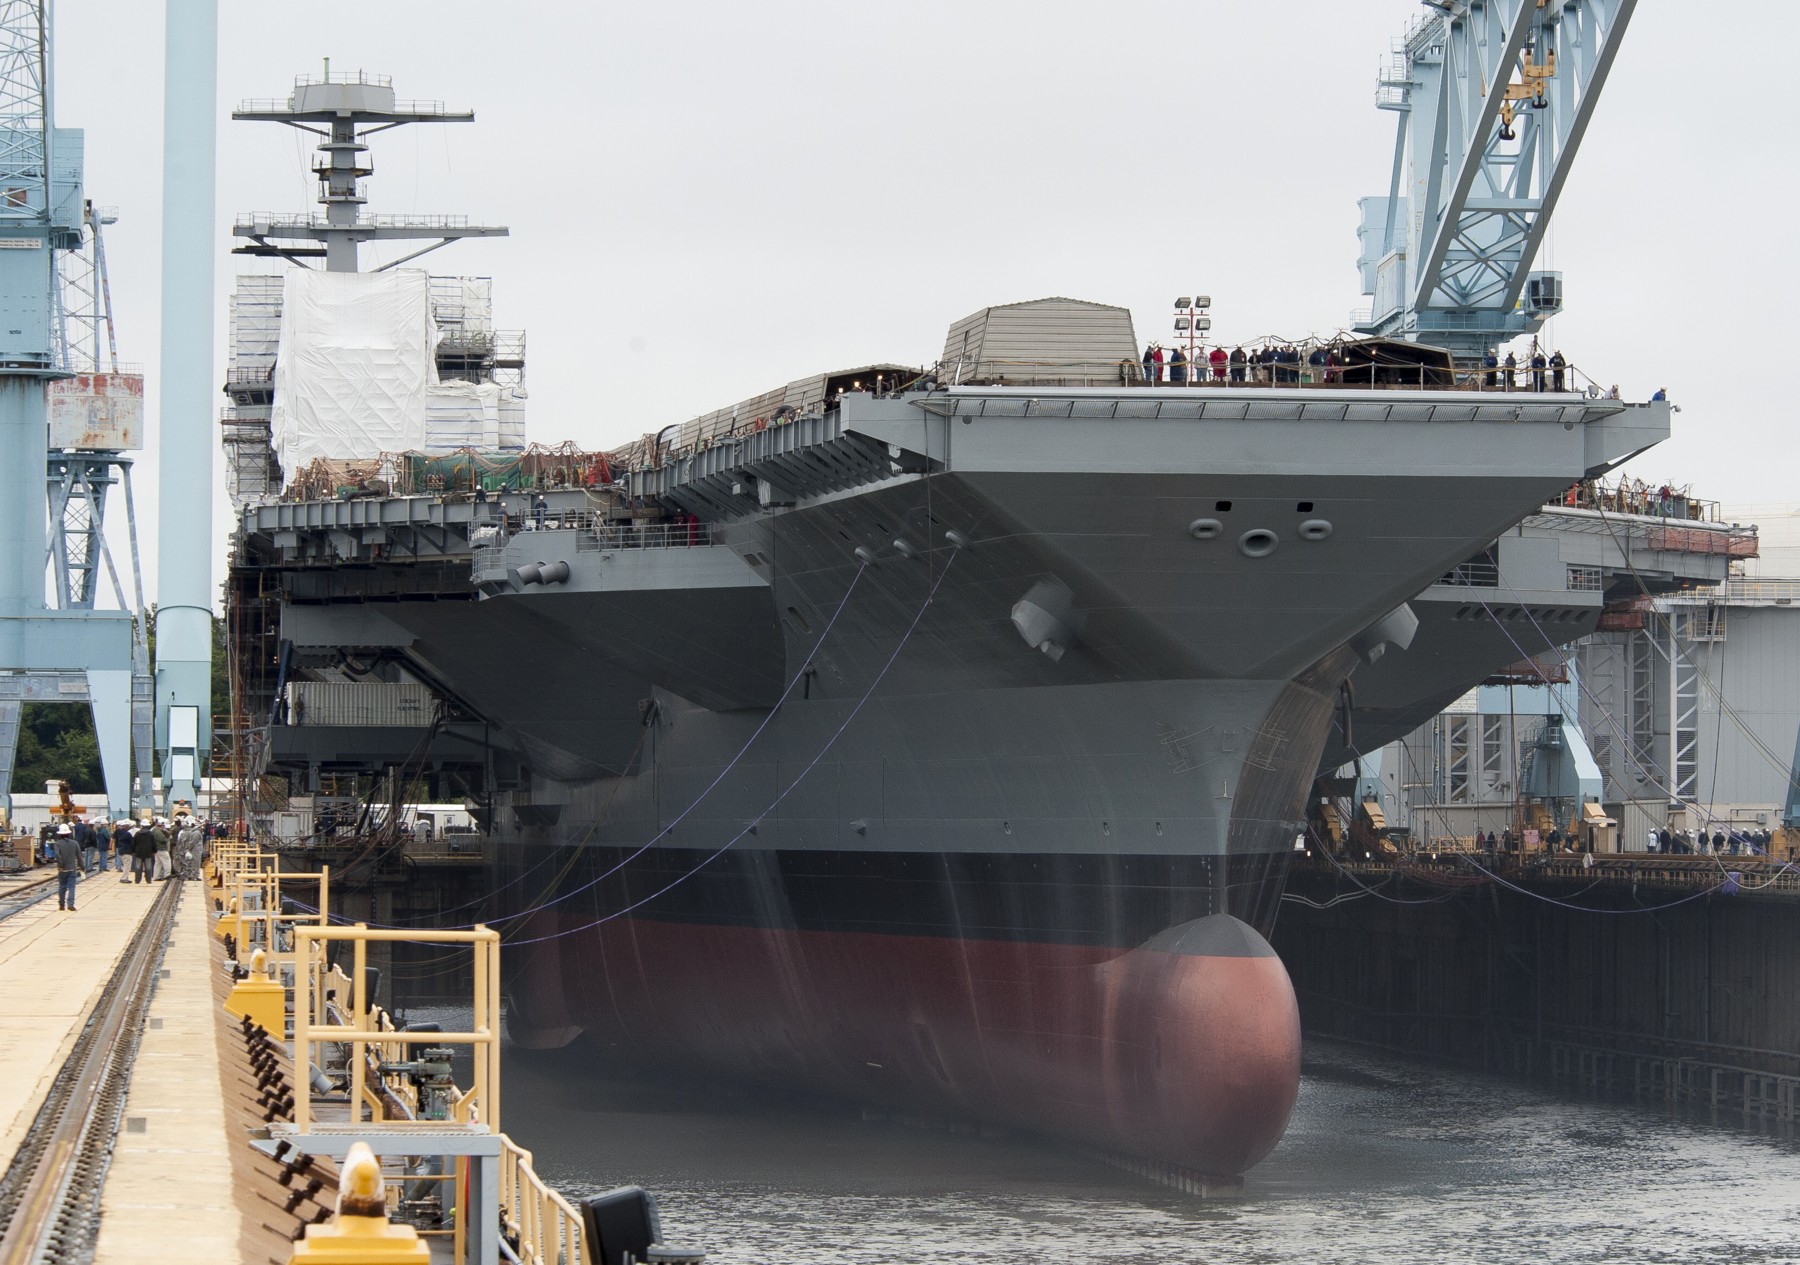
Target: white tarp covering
[(512, 420), (463, 303), (462, 415), (356, 365)]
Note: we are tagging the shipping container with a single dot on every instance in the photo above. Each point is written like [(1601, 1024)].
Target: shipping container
[(374, 705)]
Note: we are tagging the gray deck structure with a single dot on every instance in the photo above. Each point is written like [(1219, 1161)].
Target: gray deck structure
[(1098, 508)]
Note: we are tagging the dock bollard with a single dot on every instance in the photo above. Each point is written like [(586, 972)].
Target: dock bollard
[(259, 998), (229, 924), (360, 1233)]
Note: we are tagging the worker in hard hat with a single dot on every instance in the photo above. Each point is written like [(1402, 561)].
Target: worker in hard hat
[(68, 867)]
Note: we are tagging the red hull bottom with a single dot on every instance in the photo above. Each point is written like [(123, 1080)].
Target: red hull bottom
[(1185, 1050)]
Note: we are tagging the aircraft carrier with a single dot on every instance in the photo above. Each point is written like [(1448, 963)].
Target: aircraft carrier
[(945, 744), (937, 736)]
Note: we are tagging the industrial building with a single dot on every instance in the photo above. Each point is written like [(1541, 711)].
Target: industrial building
[(1679, 711)]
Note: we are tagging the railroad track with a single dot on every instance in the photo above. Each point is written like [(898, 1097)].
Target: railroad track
[(25, 895), (50, 1194)]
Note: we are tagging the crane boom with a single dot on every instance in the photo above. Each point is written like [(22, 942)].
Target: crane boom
[(1494, 98)]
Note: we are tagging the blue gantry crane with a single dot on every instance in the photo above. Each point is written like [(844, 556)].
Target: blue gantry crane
[(67, 651), (1493, 98)]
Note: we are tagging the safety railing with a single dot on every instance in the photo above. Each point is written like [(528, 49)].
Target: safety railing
[(480, 1101), (595, 533), (1635, 497), (1314, 366), (355, 77), (648, 536), (1777, 592), (546, 1226), (274, 223), (399, 1097), (1473, 575), (263, 922)]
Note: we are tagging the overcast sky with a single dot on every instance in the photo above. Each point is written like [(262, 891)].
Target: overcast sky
[(710, 199)]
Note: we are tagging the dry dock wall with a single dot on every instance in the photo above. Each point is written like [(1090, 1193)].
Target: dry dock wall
[(1687, 1001)]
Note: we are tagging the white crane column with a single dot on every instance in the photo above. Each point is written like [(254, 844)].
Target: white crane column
[(185, 482)]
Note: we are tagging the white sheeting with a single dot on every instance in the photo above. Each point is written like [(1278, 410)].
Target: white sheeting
[(462, 415), (356, 365), (512, 420)]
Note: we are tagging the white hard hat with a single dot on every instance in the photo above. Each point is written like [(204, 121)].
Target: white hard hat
[(64, 830)]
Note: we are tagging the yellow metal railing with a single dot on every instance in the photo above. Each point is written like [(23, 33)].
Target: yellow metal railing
[(546, 1226), (331, 1008), (481, 1101)]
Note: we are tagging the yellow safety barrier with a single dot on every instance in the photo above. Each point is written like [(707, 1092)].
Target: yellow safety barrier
[(260, 998), (361, 1233), (229, 924), (544, 1224), (404, 1112), (481, 1100)]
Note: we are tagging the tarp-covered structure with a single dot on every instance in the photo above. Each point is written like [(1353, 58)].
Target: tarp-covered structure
[(773, 407), (1044, 341), (357, 374), (355, 363)]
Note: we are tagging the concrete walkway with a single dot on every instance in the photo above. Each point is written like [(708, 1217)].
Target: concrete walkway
[(53, 968), (169, 1194)]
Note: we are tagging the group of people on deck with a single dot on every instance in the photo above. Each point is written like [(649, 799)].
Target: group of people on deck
[(1275, 364), (1280, 364), (1503, 375)]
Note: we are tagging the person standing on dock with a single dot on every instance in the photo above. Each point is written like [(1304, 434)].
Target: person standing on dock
[(1177, 368), (122, 839), (1511, 376), (1150, 363), (159, 841), (90, 847), (188, 850), (1538, 364), (68, 866), (1491, 363), (1557, 366), (143, 854)]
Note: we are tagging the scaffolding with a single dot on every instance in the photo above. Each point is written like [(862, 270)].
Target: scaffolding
[(347, 109)]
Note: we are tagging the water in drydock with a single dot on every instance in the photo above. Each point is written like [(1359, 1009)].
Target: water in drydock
[(1385, 1161)]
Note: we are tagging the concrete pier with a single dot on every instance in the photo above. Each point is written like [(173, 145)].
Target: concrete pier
[(53, 969), (171, 1164)]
